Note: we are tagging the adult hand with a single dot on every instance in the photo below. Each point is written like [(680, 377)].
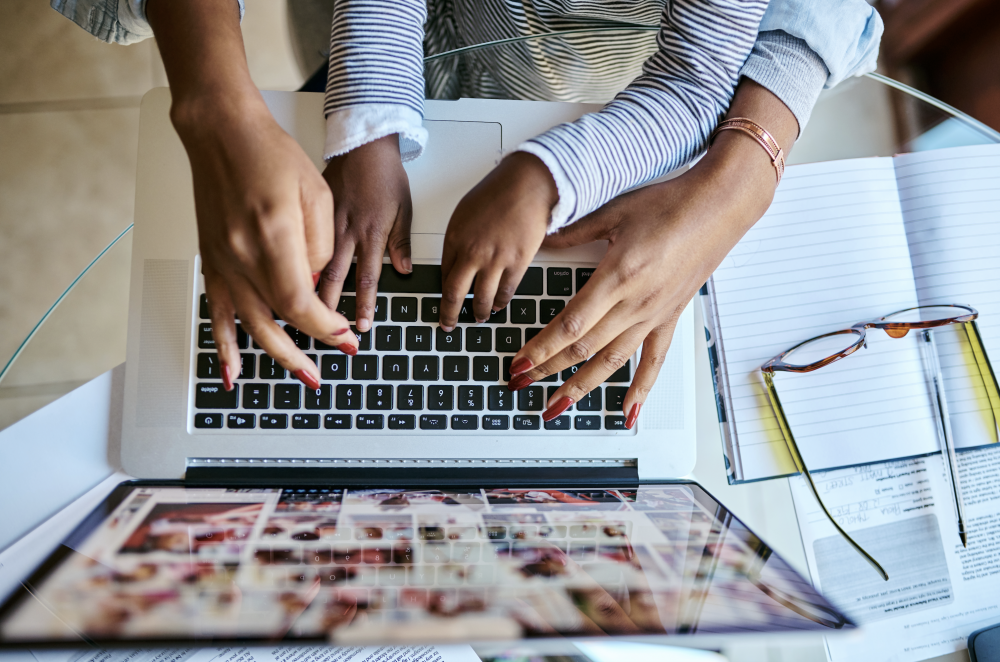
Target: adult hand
[(373, 210)]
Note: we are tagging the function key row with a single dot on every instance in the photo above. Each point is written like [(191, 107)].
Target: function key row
[(247, 421)]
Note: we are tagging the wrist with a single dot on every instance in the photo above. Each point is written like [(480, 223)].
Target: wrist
[(532, 178), (195, 114)]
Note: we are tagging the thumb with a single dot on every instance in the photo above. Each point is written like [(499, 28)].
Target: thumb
[(598, 224)]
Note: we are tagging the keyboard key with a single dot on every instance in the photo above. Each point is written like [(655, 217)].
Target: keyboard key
[(433, 422), (337, 421), (270, 369), (208, 420), (305, 421), (522, 311), (527, 423), (424, 279), (486, 368), (425, 368), (404, 309), (591, 401), (450, 341), (301, 340), (614, 398), (349, 396), (409, 397), (470, 398), (333, 367), (530, 333), (614, 423), (203, 308), (418, 338), (402, 422), (256, 396), (559, 281), (388, 338), (364, 339), (273, 421), (242, 339), (508, 340), (205, 339), (456, 368), (241, 421), (478, 339), (248, 366), (371, 421), (558, 423), (430, 309), (622, 374), (531, 398), (286, 396), (570, 371), (549, 308), (587, 422), (441, 398), (497, 316), (465, 314), (499, 399), (347, 306), (379, 396), (395, 368), (460, 422), (496, 422), (531, 284), (381, 304), (549, 391), (364, 367), (582, 276), (505, 368), (208, 366)]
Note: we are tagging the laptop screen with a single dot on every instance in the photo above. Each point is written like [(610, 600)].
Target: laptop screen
[(162, 563)]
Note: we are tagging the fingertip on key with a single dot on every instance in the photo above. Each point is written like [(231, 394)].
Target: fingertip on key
[(523, 364), (306, 378), (633, 415), (227, 380), (561, 405)]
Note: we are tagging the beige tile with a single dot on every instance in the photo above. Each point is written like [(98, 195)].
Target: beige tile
[(269, 47)]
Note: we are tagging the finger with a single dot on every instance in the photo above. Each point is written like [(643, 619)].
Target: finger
[(317, 212), (596, 225), (399, 237), (508, 286), (456, 286), (223, 314), (331, 282), (654, 352), (370, 252), (485, 293)]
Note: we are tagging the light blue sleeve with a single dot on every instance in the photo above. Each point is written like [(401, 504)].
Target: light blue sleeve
[(114, 21)]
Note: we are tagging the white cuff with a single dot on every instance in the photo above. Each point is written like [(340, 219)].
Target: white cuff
[(355, 126), (564, 207)]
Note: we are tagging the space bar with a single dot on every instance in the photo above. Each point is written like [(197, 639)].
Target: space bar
[(425, 279)]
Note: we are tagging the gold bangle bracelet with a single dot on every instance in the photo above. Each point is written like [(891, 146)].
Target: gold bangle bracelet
[(758, 133)]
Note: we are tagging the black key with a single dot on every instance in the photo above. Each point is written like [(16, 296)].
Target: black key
[(388, 338), (486, 368), (505, 369), (550, 378), (530, 333), (305, 421), (430, 309), (381, 304), (273, 421), (396, 368), (214, 396), (364, 339), (591, 401), (418, 338), (582, 276), (587, 422), (204, 314), (364, 367), (256, 396), (242, 339), (478, 339), (404, 309), (459, 422), (333, 367), (456, 368), (301, 340), (409, 397), (425, 368), (527, 423), (402, 422), (508, 340), (531, 284), (450, 341), (570, 371), (248, 366), (314, 358), (441, 398), (498, 316), (522, 311), (614, 397), (286, 396), (496, 422), (531, 398), (622, 374), (424, 279), (470, 398), (208, 366), (270, 369), (241, 421), (205, 339), (465, 314), (614, 423), (347, 306), (379, 396), (558, 423), (559, 281), (550, 391), (549, 308), (208, 420), (371, 421), (348, 396), (337, 421), (433, 422), (499, 399)]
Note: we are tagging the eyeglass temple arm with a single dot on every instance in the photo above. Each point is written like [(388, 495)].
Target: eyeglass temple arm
[(800, 464), (985, 371)]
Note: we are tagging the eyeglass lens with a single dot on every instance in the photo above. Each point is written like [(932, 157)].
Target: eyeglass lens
[(821, 348), (926, 314)]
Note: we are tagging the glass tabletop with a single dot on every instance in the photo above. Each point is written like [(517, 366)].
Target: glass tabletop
[(867, 116)]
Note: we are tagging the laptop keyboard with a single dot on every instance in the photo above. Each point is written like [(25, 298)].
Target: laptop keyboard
[(409, 375)]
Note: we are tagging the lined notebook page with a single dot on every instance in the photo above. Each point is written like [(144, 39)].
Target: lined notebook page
[(951, 205), (830, 252)]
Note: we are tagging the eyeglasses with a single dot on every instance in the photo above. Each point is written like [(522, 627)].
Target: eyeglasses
[(823, 350)]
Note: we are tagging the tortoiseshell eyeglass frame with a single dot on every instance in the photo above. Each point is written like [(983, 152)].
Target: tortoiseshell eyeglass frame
[(964, 315)]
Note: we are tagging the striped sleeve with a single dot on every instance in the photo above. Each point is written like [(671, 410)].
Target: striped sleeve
[(663, 118), (375, 85)]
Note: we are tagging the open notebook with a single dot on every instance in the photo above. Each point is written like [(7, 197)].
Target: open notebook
[(845, 242)]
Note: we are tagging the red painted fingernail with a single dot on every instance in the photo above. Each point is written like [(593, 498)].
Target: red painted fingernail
[(523, 364), (315, 279), (518, 382), (348, 349), (227, 381), (633, 415), (307, 379), (561, 405), (340, 332)]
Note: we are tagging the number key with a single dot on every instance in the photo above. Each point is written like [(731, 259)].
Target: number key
[(349, 396)]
